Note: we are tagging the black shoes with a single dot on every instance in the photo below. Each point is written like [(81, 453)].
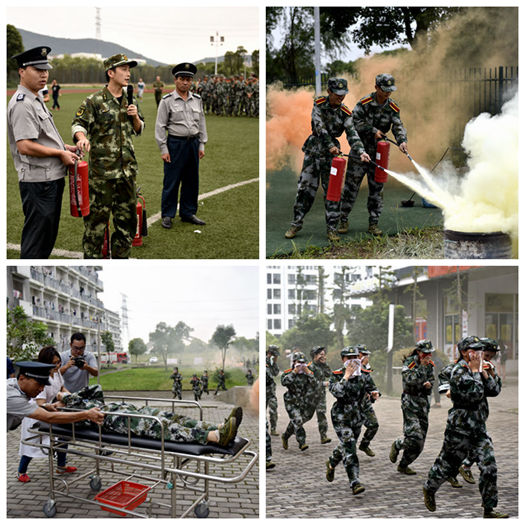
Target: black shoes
[(193, 219)]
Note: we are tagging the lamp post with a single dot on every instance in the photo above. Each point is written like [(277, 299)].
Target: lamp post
[(216, 40)]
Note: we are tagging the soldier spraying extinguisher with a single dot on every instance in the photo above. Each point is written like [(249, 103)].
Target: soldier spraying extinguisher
[(330, 118), (373, 116)]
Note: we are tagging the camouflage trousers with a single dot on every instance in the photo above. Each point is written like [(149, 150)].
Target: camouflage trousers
[(347, 430), (371, 425), (220, 386), (415, 426), (298, 415), (271, 404), (205, 388), (320, 410), (197, 393), (456, 447), (315, 168), (268, 444), (177, 390), (355, 172), (116, 197)]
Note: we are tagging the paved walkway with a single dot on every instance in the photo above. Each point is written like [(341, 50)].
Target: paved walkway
[(297, 487), (240, 500)]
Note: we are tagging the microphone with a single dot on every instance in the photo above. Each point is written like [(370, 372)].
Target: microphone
[(130, 94)]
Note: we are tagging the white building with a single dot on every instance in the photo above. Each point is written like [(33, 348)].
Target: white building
[(112, 321)]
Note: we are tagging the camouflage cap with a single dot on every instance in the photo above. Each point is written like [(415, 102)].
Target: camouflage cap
[(386, 82), (338, 86), (362, 349), (316, 350), (489, 344), (299, 357), (273, 349), (120, 59), (425, 346), (471, 342), (349, 351)]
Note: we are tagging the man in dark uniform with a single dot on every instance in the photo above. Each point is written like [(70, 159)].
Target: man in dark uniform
[(221, 382), (180, 132), (322, 373), (39, 154), (330, 118), (272, 370), (31, 380), (204, 381), (373, 116), (158, 86)]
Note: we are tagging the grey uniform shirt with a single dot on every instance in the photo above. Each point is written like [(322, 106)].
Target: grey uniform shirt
[(74, 378), (180, 118), (29, 119), (18, 404)]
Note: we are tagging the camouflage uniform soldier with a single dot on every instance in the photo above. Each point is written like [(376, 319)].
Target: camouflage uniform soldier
[(470, 384), (250, 378), (255, 97), (367, 408), (177, 384), (322, 374), (269, 463), (330, 118), (299, 399), (418, 378), (373, 116), (221, 382), (204, 381), (272, 370), (104, 124), (176, 427), (158, 85), (347, 385), (196, 386)]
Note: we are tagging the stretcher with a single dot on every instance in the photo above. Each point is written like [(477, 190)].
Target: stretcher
[(160, 463)]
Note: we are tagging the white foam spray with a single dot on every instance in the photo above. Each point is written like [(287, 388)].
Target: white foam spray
[(485, 200)]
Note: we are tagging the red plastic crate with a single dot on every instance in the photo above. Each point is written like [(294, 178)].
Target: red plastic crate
[(124, 494)]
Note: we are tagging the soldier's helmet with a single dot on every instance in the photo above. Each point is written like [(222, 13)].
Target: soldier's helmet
[(362, 349), (274, 350), (386, 82), (299, 357), (349, 351), (338, 86), (489, 344), (425, 346), (471, 342), (316, 350)]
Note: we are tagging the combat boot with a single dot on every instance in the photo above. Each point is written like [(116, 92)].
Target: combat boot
[(430, 499), (332, 236), (357, 488), (270, 465), (454, 482), (406, 470), (227, 432), (491, 513), (467, 475), (291, 232), (373, 229), (343, 227), (274, 432), (394, 452), (325, 440), (284, 441), (330, 472), (303, 447), (367, 450)]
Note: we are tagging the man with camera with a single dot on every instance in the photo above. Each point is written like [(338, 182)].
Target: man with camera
[(77, 364)]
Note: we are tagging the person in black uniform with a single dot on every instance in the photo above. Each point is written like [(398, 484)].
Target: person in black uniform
[(180, 132), (39, 154)]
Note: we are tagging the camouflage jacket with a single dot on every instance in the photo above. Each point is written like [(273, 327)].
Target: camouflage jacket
[(349, 394), (370, 387), (328, 123), (177, 378), (272, 370), (300, 388), (104, 121), (322, 373), (414, 375), (196, 384), (204, 380), (250, 378), (368, 117)]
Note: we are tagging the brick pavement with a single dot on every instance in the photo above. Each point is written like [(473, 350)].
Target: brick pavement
[(297, 487), (240, 500)]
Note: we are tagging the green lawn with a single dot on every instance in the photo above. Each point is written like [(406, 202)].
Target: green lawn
[(232, 156), (159, 379)]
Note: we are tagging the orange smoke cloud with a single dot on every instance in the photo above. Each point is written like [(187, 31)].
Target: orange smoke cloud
[(254, 397)]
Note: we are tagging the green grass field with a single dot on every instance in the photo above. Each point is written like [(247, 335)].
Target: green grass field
[(232, 156), (138, 379)]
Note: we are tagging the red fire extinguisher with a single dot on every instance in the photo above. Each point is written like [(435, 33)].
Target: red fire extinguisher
[(79, 189), (337, 176), (106, 247), (142, 221), (382, 152)]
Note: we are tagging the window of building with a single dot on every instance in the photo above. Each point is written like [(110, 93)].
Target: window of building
[(276, 278), (291, 294), (276, 324), (276, 308), (269, 293), (500, 322), (291, 278), (291, 309), (291, 323), (268, 278), (269, 324), (276, 293), (269, 308)]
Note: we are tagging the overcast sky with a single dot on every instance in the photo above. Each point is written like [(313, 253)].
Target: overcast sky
[(166, 34), (203, 294)]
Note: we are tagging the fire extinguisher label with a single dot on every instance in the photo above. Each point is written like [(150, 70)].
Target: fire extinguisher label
[(333, 171), (378, 156)]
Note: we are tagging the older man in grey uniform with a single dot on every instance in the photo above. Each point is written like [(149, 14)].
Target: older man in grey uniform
[(39, 154), (32, 378), (181, 116)]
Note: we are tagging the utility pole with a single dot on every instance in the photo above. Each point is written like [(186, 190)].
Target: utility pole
[(124, 320), (97, 24), (317, 48), (216, 41)]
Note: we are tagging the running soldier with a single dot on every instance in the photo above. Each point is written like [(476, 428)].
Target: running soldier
[(272, 370), (196, 386), (221, 382), (177, 383), (322, 374), (204, 381)]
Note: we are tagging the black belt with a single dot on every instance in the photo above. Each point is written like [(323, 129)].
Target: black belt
[(188, 138)]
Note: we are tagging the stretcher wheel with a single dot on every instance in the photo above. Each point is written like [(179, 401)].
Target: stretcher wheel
[(50, 508), (95, 483), (202, 510)]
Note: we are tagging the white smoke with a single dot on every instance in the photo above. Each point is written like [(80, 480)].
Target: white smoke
[(485, 200)]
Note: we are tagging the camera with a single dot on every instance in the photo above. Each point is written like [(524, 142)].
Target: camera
[(79, 361)]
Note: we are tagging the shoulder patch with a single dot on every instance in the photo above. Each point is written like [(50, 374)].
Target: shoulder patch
[(320, 100), (20, 97), (365, 370), (366, 100), (337, 372), (344, 109), (80, 111), (167, 96), (196, 95), (412, 365), (394, 106), (432, 363), (286, 371)]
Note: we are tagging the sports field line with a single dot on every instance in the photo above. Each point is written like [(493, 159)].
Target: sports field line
[(57, 252)]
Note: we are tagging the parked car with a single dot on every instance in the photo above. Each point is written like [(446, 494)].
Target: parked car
[(153, 360)]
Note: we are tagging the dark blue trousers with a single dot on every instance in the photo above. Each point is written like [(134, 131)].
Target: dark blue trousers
[(183, 171)]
